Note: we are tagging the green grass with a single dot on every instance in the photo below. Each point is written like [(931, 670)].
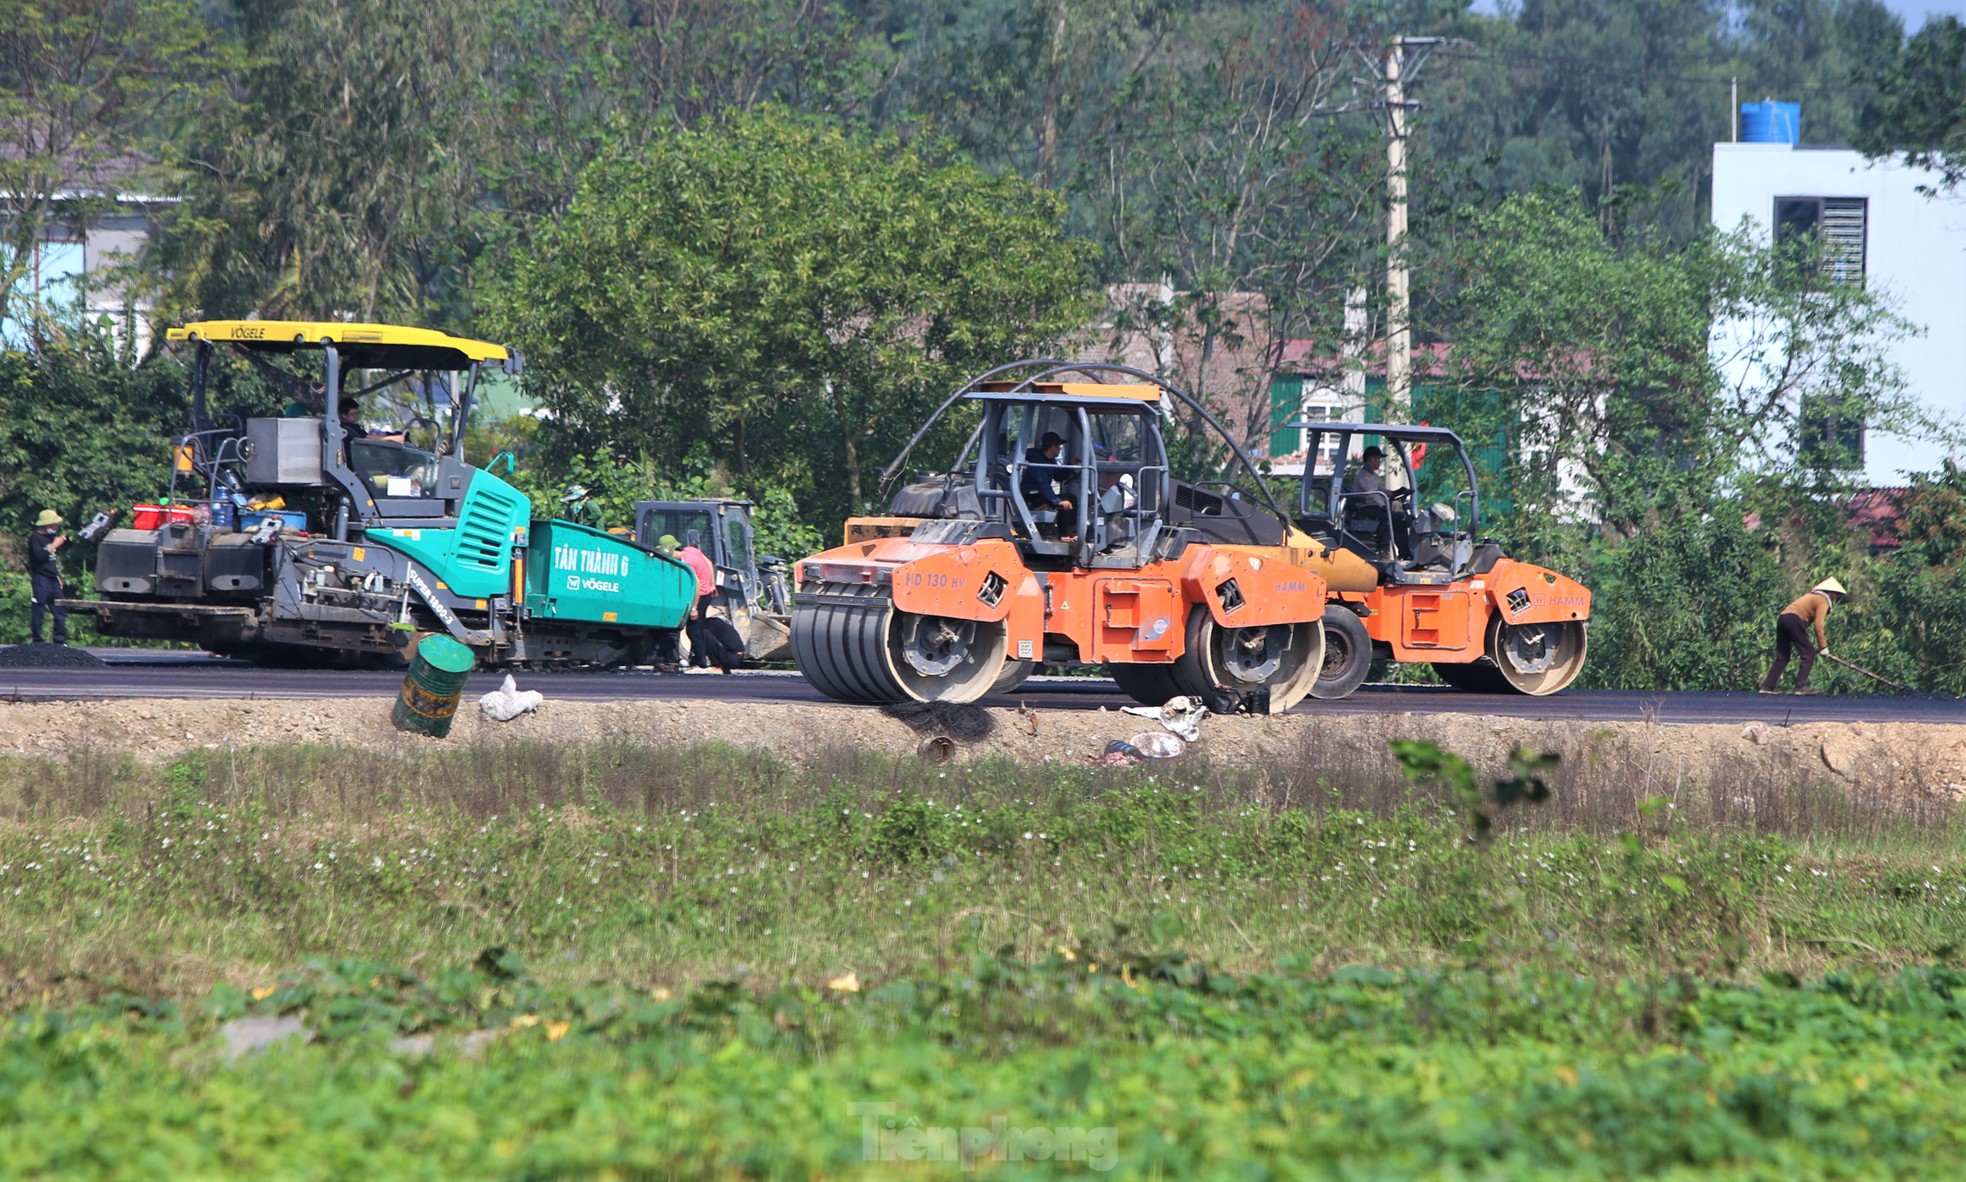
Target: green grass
[(1610, 986), (667, 867), (1157, 1070)]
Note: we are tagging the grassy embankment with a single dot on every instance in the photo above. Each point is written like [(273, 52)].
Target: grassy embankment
[(1275, 967)]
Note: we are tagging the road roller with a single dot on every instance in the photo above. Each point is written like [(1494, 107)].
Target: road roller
[(1059, 537), (1394, 515)]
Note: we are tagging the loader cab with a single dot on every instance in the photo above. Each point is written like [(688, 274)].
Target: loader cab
[(1076, 473), (722, 529), (1403, 498)]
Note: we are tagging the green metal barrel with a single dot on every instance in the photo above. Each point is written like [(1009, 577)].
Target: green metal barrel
[(428, 701)]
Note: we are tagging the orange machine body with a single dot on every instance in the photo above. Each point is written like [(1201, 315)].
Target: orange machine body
[(1112, 616), (1449, 624)]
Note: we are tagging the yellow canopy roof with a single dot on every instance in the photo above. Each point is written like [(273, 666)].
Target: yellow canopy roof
[(1143, 392), (373, 344)]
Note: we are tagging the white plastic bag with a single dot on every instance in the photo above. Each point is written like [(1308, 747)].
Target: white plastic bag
[(1180, 715), (508, 701), (1157, 745)]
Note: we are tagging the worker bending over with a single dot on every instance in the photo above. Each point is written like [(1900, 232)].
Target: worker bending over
[(1792, 635)]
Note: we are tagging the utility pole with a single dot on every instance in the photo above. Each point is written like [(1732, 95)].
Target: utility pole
[(1399, 296)]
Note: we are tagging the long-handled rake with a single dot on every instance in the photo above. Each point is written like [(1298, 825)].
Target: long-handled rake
[(1869, 674)]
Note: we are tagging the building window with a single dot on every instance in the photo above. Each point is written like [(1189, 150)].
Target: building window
[(1327, 458), (1840, 224), (1832, 433)]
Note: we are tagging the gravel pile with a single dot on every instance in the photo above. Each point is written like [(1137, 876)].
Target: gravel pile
[(47, 656)]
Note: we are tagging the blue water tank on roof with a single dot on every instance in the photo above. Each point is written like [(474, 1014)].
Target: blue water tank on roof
[(1771, 122)]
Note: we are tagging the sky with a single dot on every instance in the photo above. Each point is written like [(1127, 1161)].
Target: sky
[(1913, 12)]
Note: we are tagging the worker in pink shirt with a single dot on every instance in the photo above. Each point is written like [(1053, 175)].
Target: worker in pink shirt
[(706, 645)]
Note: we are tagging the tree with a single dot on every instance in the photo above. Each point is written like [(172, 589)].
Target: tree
[(1920, 108), (340, 180), (1609, 98), (1640, 377), (87, 89), (562, 70), (80, 431), (1251, 183), (1021, 84), (1822, 53), (800, 296), (1921, 586)]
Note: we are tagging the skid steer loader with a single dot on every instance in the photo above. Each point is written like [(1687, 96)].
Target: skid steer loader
[(751, 587)]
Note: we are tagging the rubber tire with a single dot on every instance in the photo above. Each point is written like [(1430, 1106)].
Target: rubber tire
[(1194, 675), (1149, 685), (1013, 675), (1348, 646)]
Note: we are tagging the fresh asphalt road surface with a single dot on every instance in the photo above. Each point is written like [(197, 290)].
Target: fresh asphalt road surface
[(153, 674)]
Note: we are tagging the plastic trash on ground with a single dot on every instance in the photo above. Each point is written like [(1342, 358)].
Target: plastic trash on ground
[(1147, 746), (1180, 715), (508, 701), (1157, 745)]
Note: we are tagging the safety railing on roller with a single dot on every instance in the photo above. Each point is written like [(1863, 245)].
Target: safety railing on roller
[(1024, 377)]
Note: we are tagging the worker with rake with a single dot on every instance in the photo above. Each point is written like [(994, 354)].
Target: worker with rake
[(1792, 635)]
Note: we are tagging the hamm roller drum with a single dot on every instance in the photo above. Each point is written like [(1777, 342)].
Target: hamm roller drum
[(854, 646)]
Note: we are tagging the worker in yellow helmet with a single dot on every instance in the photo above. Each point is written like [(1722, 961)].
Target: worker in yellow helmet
[(44, 573), (1792, 635)]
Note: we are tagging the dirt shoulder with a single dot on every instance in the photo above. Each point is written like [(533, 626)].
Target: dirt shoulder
[(1890, 757)]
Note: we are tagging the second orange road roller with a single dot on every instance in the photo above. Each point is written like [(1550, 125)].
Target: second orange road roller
[(1393, 517)]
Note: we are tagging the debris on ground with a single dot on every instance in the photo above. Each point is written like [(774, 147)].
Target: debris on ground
[(1118, 753), (1157, 745), (508, 701), (1147, 747), (48, 656), (1180, 715), (1895, 757), (959, 721)]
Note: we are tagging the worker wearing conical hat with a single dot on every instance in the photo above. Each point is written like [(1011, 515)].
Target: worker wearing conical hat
[(44, 573), (1792, 635)]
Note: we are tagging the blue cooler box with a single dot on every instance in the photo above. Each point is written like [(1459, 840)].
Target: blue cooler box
[(249, 519)]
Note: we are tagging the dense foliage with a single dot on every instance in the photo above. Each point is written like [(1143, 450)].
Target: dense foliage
[(1920, 107), (797, 298), (1127, 1072), (81, 430)]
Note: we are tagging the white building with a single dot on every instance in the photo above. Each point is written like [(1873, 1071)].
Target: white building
[(1878, 227), (75, 266)]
